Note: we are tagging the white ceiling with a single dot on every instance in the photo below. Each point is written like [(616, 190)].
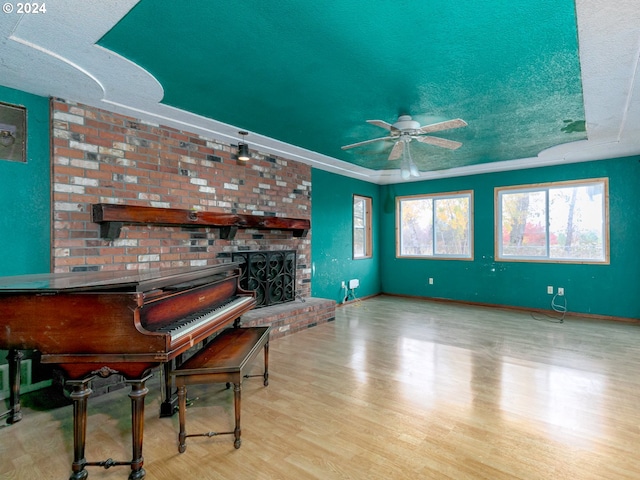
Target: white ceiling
[(54, 54)]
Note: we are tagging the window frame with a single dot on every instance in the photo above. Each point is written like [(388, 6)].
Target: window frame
[(546, 187), (366, 228), (434, 197)]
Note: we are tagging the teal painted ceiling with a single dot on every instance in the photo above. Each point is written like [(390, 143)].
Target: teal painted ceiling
[(311, 73)]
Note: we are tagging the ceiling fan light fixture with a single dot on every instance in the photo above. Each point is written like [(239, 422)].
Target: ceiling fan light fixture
[(408, 168), (243, 148)]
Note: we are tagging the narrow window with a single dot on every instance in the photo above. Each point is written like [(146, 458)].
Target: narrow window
[(362, 243)]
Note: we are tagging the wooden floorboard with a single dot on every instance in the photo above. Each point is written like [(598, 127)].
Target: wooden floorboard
[(394, 388)]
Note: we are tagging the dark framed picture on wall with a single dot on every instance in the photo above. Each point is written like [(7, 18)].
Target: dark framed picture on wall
[(13, 133)]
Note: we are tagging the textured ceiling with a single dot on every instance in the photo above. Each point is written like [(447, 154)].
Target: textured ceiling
[(311, 73), (538, 83)]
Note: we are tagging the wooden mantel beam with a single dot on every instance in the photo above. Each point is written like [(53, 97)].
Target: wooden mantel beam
[(112, 217)]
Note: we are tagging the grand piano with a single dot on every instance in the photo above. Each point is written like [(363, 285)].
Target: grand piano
[(113, 322)]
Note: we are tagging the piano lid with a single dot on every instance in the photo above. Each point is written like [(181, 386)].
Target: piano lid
[(111, 280)]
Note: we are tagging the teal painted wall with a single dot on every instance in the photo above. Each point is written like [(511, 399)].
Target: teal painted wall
[(332, 243), (610, 290), (25, 194)]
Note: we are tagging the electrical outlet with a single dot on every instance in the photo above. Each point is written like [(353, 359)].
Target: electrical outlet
[(550, 290), (560, 291), (430, 281), (344, 285)]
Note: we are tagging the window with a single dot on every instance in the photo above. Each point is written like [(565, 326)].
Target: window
[(564, 221), (362, 227), (434, 226)]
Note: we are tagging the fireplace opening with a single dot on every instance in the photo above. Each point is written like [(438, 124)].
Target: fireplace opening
[(271, 273)]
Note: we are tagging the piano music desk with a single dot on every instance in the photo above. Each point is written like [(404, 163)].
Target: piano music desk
[(223, 360)]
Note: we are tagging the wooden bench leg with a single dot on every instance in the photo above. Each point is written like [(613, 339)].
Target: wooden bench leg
[(266, 364), (237, 389), (203, 368), (182, 408)]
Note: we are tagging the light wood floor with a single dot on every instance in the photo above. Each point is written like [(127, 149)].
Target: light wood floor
[(393, 389)]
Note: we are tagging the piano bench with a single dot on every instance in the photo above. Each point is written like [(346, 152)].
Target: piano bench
[(223, 359)]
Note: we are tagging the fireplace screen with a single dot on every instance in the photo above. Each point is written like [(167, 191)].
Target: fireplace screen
[(272, 274)]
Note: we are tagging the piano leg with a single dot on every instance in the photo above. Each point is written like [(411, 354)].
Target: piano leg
[(137, 395), (14, 358), (79, 395), (169, 404)]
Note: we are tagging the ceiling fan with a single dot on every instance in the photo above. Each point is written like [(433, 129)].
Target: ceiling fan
[(407, 129)]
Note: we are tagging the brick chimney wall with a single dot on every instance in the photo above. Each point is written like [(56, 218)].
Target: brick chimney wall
[(104, 157)]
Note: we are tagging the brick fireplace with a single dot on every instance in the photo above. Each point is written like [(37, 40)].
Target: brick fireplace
[(100, 157), (103, 157)]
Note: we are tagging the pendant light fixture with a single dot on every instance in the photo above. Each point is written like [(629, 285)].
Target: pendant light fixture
[(243, 148)]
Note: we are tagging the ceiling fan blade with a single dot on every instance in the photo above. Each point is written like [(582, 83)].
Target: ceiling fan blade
[(396, 151), (366, 142), (440, 142), (385, 125), (438, 127), (381, 124)]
